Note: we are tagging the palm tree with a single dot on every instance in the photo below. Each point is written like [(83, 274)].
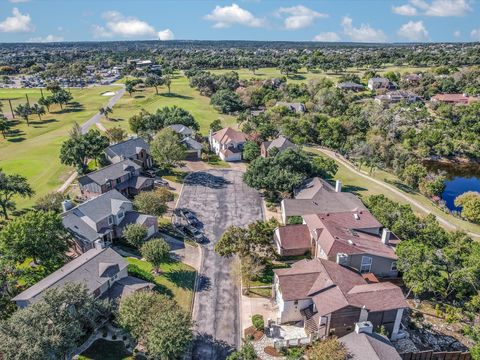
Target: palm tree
[(167, 80), (37, 109), (105, 111), (4, 125), (23, 111), (45, 102)]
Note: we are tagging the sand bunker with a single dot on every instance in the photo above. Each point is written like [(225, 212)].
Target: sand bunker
[(108, 93)]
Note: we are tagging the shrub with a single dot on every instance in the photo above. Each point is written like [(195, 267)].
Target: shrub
[(258, 322), (136, 271), (135, 234)]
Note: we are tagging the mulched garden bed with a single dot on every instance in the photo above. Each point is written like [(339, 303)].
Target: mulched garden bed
[(270, 350), (251, 331)]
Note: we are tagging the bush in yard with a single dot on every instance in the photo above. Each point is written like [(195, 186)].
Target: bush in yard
[(135, 234), (136, 271), (258, 322), (247, 352), (330, 349)]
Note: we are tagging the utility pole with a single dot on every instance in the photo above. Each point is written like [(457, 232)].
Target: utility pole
[(11, 108), (28, 101)]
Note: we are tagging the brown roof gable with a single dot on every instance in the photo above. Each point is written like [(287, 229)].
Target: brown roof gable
[(345, 232), (332, 287), (293, 236), (228, 134)]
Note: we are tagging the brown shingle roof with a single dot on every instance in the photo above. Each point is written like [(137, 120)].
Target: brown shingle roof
[(346, 232), (228, 134), (332, 287), (293, 236)]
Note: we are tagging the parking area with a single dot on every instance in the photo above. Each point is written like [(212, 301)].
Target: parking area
[(219, 199)]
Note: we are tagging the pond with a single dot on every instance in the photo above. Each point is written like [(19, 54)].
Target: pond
[(460, 178)]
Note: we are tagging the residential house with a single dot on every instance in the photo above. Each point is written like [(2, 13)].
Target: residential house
[(355, 239), (393, 97), (364, 344), (330, 299), (379, 83), (298, 108), (182, 130), (102, 271), (97, 222), (281, 143), (292, 240), (454, 99), (412, 78), (350, 86), (123, 176), (315, 196), (135, 149), (194, 148), (228, 143)]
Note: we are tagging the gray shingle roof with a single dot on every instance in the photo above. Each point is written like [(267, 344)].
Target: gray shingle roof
[(110, 172), (128, 148), (181, 129), (281, 143), (85, 269), (192, 144), (369, 347)]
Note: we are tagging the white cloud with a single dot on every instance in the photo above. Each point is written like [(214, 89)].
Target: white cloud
[(327, 37), (119, 25), (435, 8), (46, 39), (413, 31), (364, 33), (475, 34), (17, 23), (18, 1), (457, 33), (405, 10), (226, 16), (166, 34), (299, 16)]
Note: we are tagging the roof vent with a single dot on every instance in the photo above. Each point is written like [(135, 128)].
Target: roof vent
[(356, 216), (350, 242)]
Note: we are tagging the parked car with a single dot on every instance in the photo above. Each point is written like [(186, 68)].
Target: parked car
[(196, 234)]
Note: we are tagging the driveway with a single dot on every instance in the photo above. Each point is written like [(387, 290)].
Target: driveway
[(219, 199)]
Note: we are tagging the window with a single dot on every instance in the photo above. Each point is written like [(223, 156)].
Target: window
[(120, 215), (366, 265), (394, 266), (110, 220), (295, 302)]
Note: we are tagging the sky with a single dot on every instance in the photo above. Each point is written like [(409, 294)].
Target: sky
[(266, 20)]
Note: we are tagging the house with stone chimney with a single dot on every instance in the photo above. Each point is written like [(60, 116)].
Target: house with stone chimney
[(315, 196), (330, 299)]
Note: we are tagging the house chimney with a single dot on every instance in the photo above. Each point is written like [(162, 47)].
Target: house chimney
[(66, 205), (386, 235), (338, 186), (365, 327)]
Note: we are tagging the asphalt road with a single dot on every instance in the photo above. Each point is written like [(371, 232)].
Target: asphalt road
[(96, 118), (219, 199)]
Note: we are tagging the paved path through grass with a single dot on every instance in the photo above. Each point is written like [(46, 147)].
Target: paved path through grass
[(446, 223)]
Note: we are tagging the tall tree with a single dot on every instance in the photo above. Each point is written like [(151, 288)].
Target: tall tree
[(54, 326), (36, 234), (167, 80), (45, 101), (156, 251), (62, 97), (38, 110), (4, 126), (116, 134), (166, 149), (154, 81), (23, 111), (10, 186), (105, 111)]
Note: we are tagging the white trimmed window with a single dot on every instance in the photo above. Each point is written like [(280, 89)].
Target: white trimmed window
[(366, 265)]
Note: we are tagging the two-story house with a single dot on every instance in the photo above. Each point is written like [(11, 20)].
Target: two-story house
[(379, 83), (355, 239), (281, 143), (393, 97), (98, 221), (102, 271), (135, 149), (315, 196), (330, 299), (123, 176), (228, 143)]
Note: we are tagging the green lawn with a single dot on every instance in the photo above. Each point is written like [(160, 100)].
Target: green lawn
[(176, 280), (303, 75), (33, 151), (182, 95)]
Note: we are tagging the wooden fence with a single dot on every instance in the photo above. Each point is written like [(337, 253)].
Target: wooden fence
[(431, 355)]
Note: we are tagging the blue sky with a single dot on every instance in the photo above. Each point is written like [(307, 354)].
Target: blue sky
[(332, 20)]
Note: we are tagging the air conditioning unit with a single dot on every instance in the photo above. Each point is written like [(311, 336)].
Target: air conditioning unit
[(342, 259), (364, 327)]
